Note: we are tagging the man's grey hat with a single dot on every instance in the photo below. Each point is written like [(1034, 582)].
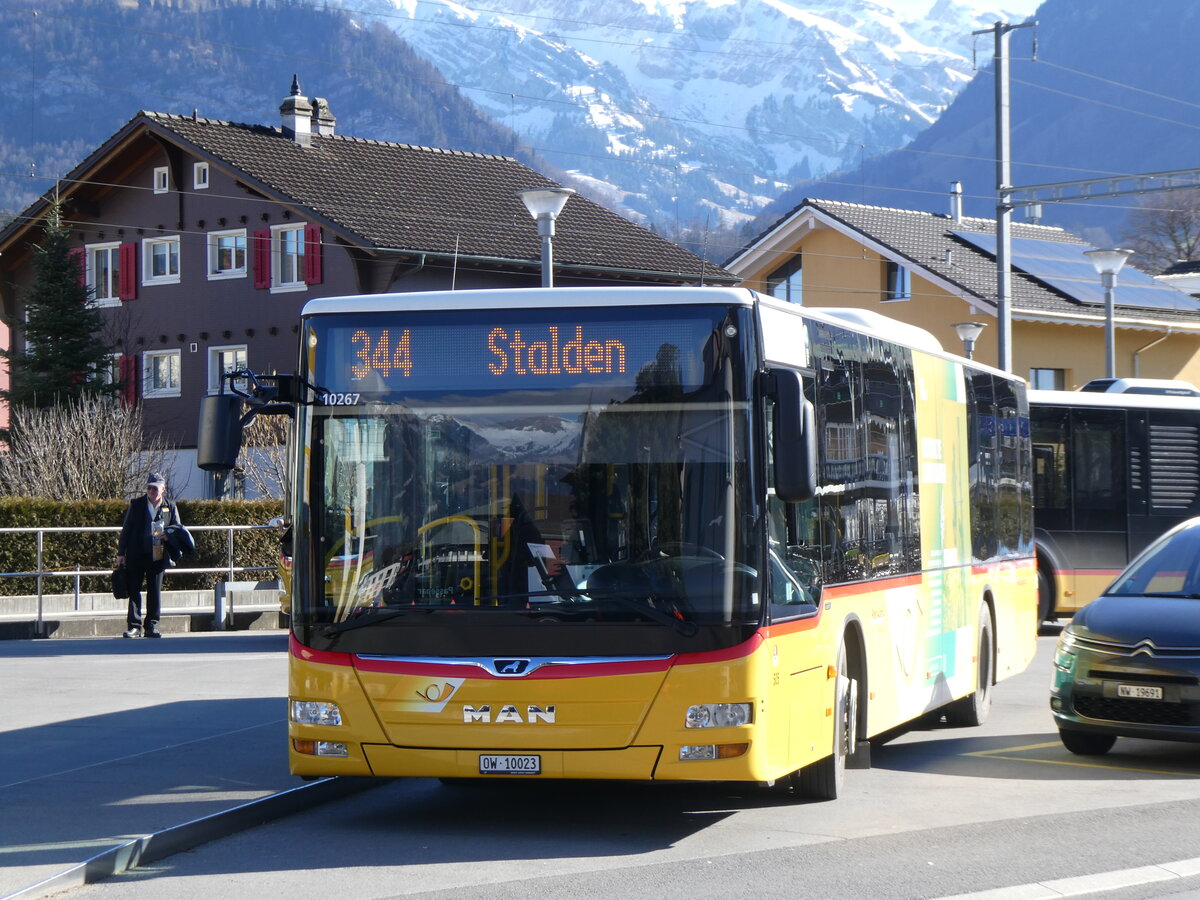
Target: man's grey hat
[(156, 478)]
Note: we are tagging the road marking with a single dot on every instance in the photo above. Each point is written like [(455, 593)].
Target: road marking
[(1088, 884), (116, 759), (1001, 754)]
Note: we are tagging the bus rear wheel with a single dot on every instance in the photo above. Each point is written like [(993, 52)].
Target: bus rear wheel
[(824, 779), (974, 708), (1045, 597)]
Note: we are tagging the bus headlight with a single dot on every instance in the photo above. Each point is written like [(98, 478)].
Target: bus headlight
[(693, 752), (315, 712), (321, 748), (718, 715)]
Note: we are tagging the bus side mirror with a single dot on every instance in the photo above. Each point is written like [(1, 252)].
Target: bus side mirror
[(795, 440), (220, 435)]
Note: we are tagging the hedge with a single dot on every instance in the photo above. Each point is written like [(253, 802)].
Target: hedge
[(83, 550)]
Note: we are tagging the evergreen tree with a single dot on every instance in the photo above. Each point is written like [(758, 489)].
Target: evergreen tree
[(64, 357)]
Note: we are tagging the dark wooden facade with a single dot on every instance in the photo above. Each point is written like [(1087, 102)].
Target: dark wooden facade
[(371, 218)]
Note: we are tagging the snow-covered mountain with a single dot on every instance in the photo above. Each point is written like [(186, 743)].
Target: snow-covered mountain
[(696, 113)]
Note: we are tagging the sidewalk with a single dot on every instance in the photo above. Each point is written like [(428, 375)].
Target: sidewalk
[(106, 741), (241, 605)]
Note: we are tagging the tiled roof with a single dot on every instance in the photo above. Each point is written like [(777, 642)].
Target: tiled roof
[(389, 196), (926, 240)]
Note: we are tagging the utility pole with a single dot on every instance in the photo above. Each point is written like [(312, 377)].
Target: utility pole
[(1004, 190)]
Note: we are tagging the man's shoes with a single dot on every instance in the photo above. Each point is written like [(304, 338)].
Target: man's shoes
[(133, 632), (153, 632)]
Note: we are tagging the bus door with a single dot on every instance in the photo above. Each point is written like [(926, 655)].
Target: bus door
[(1098, 464)]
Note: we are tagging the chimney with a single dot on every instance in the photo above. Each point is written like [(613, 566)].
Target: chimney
[(956, 202), (322, 119), (296, 114)]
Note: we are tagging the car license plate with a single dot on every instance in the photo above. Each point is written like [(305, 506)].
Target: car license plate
[(509, 764), (1139, 691)]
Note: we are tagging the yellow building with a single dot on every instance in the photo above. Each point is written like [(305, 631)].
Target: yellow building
[(938, 270)]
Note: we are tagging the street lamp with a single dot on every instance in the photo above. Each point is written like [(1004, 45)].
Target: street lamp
[(1108, 263), (544, 204), (968, 332)]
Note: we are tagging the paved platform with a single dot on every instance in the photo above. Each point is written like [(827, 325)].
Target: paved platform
[(114, 751)]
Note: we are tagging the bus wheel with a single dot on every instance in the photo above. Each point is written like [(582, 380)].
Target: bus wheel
[(974, 708), (823, 779), (1045, 598)]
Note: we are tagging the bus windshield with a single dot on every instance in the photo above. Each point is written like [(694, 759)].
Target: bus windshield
[(521, 487)]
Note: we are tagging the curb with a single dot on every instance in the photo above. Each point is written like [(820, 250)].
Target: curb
[(152, 847)]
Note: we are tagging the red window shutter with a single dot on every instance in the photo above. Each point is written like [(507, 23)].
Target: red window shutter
[(127, 262), (130, 376), (78, 254), (312, 254), (262, 258)]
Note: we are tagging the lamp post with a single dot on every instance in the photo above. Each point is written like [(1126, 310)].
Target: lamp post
[(544, 204), (1108, 263), (968, 332)]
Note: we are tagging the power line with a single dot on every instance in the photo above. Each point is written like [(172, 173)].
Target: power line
[(674, 119)]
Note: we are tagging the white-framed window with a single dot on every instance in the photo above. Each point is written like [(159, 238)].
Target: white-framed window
[(227, 254), (222, 360), (104, 273), (787, 281), (200, 176), (160, 260), (162, 179), (160, 373), (897, 283), (287, 258), (1048, 379)]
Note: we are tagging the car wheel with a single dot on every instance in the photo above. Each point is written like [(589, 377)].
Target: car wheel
[(823, 780), (1086, 743), (974, 708)]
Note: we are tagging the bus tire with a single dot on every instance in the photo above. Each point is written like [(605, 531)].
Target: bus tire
[(1045, 597), (824, 779), (973, 709)]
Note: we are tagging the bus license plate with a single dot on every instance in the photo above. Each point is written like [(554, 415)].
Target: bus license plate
[(1139, 691), (509, 764)]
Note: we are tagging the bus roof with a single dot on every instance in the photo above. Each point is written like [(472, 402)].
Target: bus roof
[(1098, 400), (530, 298), (860, 320)]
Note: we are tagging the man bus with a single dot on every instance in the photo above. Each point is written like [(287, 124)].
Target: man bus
[(641, 533)]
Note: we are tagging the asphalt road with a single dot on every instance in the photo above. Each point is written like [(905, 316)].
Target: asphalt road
[(1002, 809)]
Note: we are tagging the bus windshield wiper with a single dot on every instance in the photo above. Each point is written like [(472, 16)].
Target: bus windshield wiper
[(383, 615), (633, 602), (641, 604)]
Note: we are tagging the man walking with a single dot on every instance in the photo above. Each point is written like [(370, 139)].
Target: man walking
[(142, 550)]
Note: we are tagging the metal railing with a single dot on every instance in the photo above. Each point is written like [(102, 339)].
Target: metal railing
[(41, 573)]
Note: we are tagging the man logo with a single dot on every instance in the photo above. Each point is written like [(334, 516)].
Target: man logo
[(510, 666), (508, 713)]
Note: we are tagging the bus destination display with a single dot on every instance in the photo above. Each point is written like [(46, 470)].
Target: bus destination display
[(421, 352)]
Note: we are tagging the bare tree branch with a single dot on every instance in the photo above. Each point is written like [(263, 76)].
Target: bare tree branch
[(264, 455), (90, 449), (1164, 230)]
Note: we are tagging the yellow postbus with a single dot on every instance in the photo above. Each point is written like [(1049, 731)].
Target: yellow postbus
[(1113, 470), (642, 533)]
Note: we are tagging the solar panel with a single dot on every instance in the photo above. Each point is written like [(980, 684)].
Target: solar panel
[(1063, 266)]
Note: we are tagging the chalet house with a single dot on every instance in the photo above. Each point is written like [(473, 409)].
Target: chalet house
[(203, 239), (939, 270)]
